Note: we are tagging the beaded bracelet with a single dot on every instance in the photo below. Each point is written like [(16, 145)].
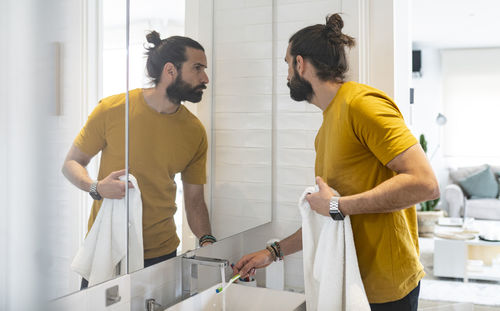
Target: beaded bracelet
[(207, 238), (277, 247), (273, 253)]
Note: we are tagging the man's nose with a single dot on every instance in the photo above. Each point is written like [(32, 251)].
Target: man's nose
[(204, 78)]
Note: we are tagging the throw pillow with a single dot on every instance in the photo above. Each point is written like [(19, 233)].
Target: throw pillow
[(481, 185), (498, 180)]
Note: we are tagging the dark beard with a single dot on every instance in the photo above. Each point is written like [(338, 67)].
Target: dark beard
[(300, 89), (181, 91)]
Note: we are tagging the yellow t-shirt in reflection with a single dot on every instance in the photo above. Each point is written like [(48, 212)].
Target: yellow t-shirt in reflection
[(362, 131), (160, 145)]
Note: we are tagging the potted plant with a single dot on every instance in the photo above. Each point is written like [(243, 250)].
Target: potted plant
[(427, 216)]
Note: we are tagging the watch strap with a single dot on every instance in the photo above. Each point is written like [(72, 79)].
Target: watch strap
[(335, 212), (93, 191)]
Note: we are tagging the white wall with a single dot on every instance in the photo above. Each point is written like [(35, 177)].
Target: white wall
[(428, 102)]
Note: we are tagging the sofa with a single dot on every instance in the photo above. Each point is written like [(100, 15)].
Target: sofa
[(472, 189)]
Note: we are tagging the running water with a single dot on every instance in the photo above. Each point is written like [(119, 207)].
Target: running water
[(223, 278)]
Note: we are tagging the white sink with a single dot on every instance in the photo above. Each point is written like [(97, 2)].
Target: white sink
[(242, 298)]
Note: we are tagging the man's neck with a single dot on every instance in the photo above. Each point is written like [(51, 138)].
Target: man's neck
[(156, 98), (324, 92)]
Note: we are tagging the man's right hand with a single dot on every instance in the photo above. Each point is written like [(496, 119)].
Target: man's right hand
[(112, 187), (248, 263)]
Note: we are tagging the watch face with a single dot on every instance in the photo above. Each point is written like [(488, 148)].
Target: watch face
[(95, 196), (336, 215)]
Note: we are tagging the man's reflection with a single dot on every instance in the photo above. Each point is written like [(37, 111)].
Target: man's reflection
[(165, 139)]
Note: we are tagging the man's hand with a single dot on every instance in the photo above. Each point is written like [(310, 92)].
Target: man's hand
[(247, 264), (320, 201), (112, 187)]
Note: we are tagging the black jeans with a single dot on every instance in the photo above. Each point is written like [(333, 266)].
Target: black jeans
[(407, 303), (147, 263)]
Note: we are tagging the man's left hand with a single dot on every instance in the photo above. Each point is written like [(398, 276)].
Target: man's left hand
[(320, 201)]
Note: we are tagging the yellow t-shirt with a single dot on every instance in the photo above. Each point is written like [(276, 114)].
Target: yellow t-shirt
[(362, 131), (160, 145)]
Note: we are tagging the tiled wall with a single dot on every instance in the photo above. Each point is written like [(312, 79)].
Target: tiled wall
[(241, 115), (295, 126)]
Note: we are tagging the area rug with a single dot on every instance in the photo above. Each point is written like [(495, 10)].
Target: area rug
[(457, 291)]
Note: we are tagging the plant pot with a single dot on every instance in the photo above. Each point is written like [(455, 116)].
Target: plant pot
[(427, 221)]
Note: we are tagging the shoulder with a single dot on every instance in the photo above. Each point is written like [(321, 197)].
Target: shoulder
[(112, 103), (192, 120), (365, 99)]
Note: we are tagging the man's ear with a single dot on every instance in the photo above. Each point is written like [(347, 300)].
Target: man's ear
[(169, 72), (299, 64)]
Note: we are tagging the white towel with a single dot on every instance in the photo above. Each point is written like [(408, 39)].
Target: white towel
[(106, 244), (331, 272)]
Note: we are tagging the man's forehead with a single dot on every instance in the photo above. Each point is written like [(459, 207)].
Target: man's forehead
[(287, 55), (196, 56)]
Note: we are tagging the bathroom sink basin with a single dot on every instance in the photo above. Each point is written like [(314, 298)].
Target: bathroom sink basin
[(242, 298)]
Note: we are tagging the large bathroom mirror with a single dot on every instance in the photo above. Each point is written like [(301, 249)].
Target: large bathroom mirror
[(89, 57), (235, 111)]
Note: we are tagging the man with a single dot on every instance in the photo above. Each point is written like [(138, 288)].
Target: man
[(165, 139), (365, 151)]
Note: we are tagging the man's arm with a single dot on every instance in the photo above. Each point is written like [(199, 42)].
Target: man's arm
[(263, 258), (196, 210), (415, 182), (74, 169)]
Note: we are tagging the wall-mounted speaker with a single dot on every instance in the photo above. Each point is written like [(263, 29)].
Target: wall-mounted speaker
[(416, 60)]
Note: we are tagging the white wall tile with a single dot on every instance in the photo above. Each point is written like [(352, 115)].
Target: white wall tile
[(243, 156), (244, 16), (299, 121), (298, 139), (243, 86), (227, 173), (244, 68), (243, 138), (243, 121), (245, 33), (247, 50), (251, 190), (312, 11), (247, 103), (291, 158)]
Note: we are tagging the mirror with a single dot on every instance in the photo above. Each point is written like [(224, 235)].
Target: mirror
[(91, 66), (234, 144)]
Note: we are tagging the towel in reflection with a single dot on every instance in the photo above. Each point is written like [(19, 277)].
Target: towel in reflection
[(106, 243)]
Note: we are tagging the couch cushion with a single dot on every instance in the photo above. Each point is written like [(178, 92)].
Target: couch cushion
[(483, 209), (480, 185)]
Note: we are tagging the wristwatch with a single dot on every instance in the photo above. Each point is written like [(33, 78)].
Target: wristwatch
[(334, 209), (93, 191)]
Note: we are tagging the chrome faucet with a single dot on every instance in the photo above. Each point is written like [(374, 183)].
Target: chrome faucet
[(190, 264)]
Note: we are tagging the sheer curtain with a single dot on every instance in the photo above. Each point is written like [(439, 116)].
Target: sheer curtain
[(471, 95)]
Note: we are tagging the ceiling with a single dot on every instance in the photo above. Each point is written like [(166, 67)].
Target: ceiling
[(456, 23)]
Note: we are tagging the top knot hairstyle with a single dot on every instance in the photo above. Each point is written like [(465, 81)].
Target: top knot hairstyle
[(170, 50), (324, 46)]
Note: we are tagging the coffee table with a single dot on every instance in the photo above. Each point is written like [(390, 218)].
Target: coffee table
[(467, 258)]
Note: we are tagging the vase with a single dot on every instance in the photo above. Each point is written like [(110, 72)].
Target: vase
[(427, 221)]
